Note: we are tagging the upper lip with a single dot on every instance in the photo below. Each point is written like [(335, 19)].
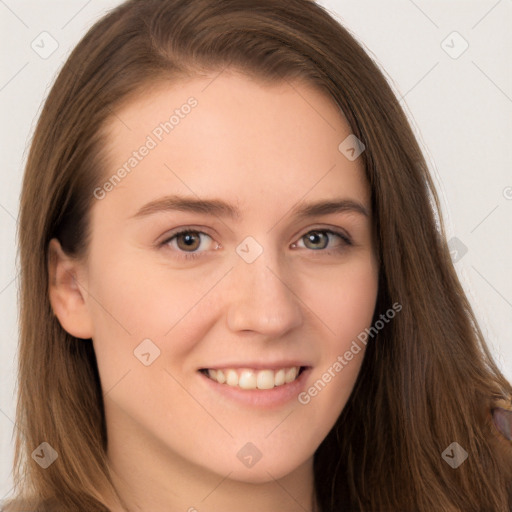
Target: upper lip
[(271, 365)]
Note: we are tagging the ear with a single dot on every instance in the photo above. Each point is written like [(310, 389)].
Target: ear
[(67, 293)]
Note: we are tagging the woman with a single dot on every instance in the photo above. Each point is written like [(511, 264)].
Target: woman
[(185, 345)]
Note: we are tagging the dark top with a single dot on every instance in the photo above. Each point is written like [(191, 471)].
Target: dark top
[(503, 420)]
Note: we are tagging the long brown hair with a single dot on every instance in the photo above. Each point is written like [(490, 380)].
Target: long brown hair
[(427, 378)]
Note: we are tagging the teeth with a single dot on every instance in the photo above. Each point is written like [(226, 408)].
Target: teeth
[(231, 378), (279, 377), (247, 378), (266, 379)]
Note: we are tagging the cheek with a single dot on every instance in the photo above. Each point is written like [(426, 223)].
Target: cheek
[(143, 300), (130, 306), (345, 305), (345, 302)]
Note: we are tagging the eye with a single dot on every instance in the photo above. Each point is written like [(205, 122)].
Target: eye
[(319, 239), (187, 242)]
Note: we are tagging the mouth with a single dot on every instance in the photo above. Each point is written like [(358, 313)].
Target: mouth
[(250, 378)]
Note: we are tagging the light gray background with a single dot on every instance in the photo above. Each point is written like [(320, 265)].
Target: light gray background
[(460, 108)]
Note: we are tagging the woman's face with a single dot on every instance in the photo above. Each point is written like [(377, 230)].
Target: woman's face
[(254, 289)]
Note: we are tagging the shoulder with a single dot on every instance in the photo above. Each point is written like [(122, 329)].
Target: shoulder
[(502, 419)]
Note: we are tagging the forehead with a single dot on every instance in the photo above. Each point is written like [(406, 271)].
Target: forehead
[(229, 135)]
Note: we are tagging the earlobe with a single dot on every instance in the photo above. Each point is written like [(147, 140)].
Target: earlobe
[(66, 295)]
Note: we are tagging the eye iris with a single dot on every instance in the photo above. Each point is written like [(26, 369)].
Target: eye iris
[(314, 235), (190, 239)]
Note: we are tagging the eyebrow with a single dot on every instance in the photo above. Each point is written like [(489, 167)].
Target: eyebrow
[(220, 208)]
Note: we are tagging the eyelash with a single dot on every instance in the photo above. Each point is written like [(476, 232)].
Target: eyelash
[(194, 255)]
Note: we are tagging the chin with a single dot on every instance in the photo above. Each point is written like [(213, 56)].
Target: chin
[(262, 471)]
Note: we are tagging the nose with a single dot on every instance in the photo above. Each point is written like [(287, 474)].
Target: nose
[(261, 300)]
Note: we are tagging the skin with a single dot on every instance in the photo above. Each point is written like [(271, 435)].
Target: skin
[(173, 442)]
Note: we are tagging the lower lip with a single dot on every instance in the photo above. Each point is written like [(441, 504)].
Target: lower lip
[(263, 398)]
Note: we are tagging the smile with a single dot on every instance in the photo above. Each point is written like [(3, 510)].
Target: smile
[(247, 378)]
